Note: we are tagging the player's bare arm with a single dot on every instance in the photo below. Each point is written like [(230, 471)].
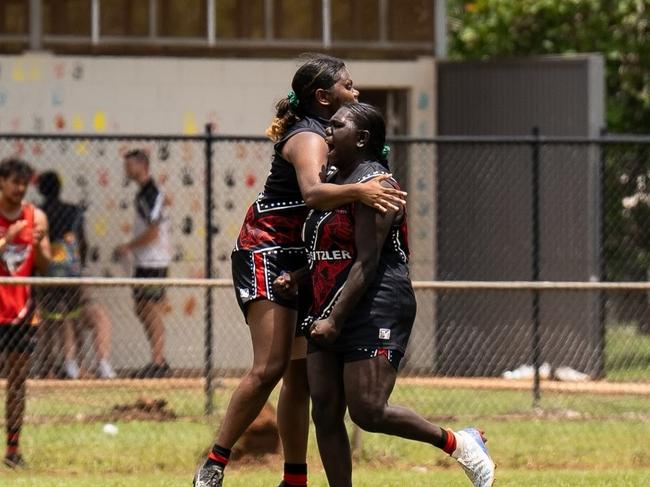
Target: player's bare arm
[(43, 255), (149, 235), (367, 223), (307, 151)]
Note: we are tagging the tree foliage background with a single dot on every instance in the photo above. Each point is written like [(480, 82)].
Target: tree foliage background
[(620, 31)]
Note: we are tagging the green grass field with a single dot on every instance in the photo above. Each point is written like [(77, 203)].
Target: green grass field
[(362, 477), (627, 354), (607, 445), (574, 439)]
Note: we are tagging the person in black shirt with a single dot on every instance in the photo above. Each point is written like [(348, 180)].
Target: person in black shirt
[(70, 306)]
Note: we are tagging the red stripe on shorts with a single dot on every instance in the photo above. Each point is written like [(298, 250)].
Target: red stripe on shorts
[(260, 275)]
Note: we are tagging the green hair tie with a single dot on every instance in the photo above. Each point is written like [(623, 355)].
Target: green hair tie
[(293, 99), (385, 152)]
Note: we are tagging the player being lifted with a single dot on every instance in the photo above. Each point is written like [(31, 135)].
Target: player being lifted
[(269, 243)]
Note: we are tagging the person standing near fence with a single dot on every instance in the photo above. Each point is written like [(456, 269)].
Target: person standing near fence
[(24, 247), (151, 249), (363, 311), (269, 242), (65, 308)]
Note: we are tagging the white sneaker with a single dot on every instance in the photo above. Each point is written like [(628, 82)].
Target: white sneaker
[(71, 369), (473, 456), (209, 476), (105, 371)]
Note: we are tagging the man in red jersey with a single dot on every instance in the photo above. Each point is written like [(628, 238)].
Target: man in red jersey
[(24, 247)]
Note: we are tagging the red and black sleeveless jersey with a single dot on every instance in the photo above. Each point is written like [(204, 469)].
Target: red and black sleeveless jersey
[(17, 260), (277, 215), (331, 248)]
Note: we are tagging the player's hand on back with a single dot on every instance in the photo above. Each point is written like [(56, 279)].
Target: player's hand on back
[(380, 197)]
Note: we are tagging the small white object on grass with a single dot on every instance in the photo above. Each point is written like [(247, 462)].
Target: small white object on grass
[(110, 429)]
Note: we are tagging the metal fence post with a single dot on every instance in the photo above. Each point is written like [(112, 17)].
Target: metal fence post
[(537, 352), (209, 388), (602, 295), (35, 25)]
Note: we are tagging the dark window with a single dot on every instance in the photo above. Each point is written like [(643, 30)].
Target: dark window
[(298, 19), (240, 20), (355, 21), (66, 17), (14, 17), (182, 18), (410, 20), (124, 17)]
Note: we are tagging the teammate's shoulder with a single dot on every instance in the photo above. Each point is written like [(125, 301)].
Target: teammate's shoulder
[(370, 169), (39, 215), (312, 122), (31, 208), (307, 125)]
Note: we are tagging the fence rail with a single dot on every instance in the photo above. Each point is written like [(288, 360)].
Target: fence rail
[(430, 285)]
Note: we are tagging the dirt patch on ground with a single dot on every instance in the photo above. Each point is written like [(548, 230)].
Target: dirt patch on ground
[(261, 438), (143, 409), (260, 443)]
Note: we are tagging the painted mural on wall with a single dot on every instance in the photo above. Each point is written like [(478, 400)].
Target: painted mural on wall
[(45, 95), (40, 93)]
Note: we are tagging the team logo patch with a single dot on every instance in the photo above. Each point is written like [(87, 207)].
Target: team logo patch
[(14, 256), (384, 334)]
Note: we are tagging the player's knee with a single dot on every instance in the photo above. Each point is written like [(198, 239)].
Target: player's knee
[(297, 390), (268, 375), (295, 377), (321, 395), (326, 413), (17, 385), (367, 415), (18, 367)]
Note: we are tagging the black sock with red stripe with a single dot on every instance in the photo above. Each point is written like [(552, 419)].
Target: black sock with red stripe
[(218, 456), (13, 438), (295, 474)]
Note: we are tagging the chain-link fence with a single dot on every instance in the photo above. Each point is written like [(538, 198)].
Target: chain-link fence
[(480, 209)]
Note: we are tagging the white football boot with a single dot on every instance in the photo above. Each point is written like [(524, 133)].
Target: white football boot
[(473, 456)]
